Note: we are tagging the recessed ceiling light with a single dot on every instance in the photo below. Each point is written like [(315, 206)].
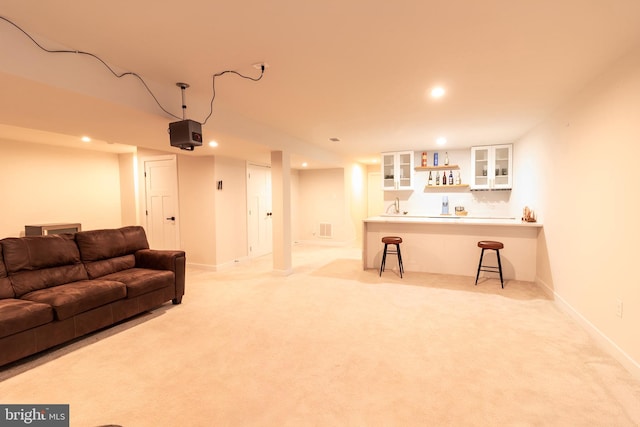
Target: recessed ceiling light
[(441, 140), (437, 92), (304, 164), (213, 143), (85, 139)]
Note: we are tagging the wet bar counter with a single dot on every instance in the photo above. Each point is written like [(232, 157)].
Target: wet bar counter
[(448, 244)]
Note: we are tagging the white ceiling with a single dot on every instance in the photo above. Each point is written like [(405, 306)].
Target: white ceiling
[(357, 70)]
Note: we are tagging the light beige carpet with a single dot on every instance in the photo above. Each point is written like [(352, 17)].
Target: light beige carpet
[(332, 345)]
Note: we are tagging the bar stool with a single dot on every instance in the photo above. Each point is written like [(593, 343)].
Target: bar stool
[(496, 246), (392, 240)]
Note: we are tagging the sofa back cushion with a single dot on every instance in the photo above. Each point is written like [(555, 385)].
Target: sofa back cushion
[(108, 251), (38, 262), (6, 290)]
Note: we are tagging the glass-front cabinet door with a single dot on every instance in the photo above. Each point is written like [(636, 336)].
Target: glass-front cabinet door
[(502, 167), (492, 167), (388, 171), (480, 168), (397, 170)]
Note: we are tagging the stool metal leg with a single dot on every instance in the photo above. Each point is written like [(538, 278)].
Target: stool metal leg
[(400, 266), (500, 268), (479, 265), (384, 258), (490, 268), (391, 251)]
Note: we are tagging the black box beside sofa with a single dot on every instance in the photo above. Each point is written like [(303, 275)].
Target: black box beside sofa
[(57, 288)]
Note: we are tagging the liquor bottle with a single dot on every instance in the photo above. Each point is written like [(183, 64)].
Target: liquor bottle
[(444, 178), (437, 179), (446, 158), (458, 181), (435, 159), (450, 177), (424, 159), (430, 181)]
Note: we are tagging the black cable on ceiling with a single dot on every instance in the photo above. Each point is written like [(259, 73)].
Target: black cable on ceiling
[(136, 75), (213, 84)]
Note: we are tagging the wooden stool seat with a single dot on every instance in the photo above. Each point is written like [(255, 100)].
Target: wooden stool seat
[(391, 240), (490, 244), (493, 245)]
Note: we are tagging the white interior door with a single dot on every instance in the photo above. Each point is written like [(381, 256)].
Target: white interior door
[(259, 227), (161, 195)]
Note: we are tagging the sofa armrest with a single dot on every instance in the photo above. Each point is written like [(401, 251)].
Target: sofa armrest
[(158, 259), (165, 260)]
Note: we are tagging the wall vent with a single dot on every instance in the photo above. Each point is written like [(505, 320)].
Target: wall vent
[(326, 230)]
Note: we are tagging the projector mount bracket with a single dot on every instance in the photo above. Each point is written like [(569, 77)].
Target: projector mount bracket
[(183, 87)]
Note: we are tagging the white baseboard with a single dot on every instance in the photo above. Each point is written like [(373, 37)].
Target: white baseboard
[(283, 273), (325, 242), (209, 267), (217, 267), (604, 341)]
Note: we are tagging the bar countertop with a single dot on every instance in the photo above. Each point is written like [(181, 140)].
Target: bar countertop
[(451, 219)]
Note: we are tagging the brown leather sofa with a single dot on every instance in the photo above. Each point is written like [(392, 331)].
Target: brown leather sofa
[(57, 288)]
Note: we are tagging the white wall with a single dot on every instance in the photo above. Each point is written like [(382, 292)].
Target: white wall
[(356, 190), (580, 169), (322, 200), (230, 210), (128, 189), (196, 187), (296, 227), (46, 184), (213, 223)]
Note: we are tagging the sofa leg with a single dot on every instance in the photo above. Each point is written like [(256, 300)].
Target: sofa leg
[(177, 301)]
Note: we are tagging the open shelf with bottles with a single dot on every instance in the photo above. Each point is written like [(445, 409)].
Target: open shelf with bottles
[(436, 182), (436, 168), (445, 187)]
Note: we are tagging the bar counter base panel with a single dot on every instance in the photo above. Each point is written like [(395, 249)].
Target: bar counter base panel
[(451, 246)]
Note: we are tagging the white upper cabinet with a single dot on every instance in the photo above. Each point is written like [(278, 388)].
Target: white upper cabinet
[(492, 167), (397, 170)]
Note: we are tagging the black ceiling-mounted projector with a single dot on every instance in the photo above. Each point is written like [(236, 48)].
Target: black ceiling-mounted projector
[(185, 134)]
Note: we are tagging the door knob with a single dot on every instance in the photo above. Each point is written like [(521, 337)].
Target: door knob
[(172, 218)]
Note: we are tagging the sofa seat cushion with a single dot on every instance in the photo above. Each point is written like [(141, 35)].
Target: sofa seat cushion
[(77, 297), (142, 280), (18, 315)]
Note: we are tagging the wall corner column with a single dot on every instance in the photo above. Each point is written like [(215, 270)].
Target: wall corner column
[(281, 208)]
